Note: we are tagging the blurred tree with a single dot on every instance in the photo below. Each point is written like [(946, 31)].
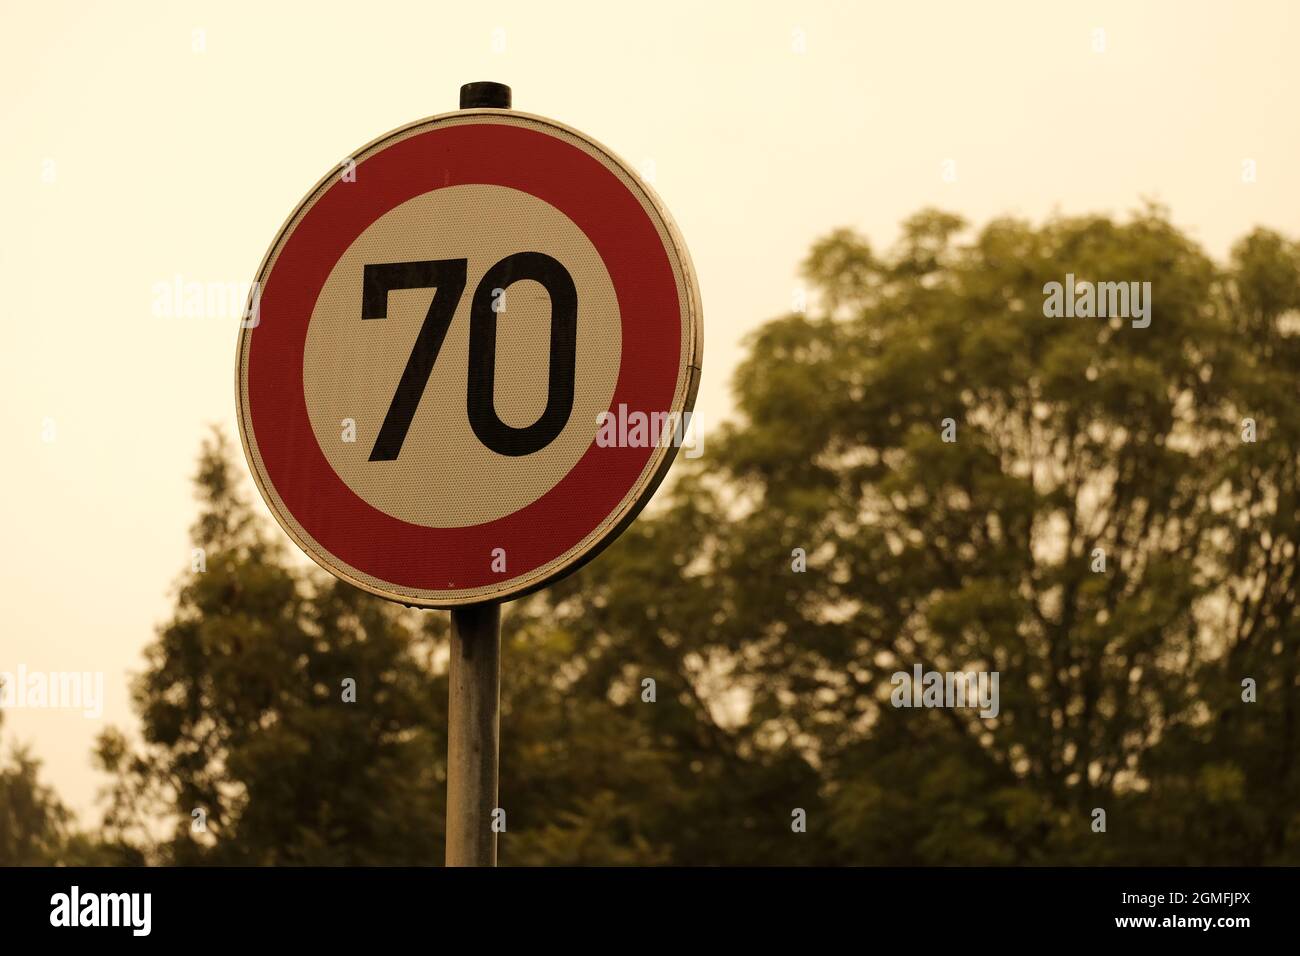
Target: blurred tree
[(251, 752), (36, 829), (33, 821), (1075, 439), (1224, 781), (243, 720)]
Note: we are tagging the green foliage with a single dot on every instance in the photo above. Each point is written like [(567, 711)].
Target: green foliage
[(1073, 434), (244, 718), (1119, 689), (33, 821), (36, 829)]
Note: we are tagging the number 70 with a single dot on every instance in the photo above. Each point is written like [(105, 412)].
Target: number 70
[(447, 277)]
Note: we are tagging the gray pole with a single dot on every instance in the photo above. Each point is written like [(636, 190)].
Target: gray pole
[(474, 701), (473, 734)]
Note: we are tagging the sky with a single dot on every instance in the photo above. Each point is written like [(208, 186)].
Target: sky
[(148, 143)]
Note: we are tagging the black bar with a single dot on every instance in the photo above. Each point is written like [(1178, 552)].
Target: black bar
[(926, 908), (485, 94)]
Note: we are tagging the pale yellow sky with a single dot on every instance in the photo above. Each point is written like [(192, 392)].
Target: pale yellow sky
[(138, 150)]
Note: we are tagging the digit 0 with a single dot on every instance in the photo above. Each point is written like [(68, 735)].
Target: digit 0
[(480, 403)]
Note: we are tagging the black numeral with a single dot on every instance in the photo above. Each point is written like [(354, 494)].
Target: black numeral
[(479, 400), (447, 277)]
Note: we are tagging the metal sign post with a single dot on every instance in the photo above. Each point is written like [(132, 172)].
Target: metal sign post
[(474, 352), (474, 680), (473, 734)]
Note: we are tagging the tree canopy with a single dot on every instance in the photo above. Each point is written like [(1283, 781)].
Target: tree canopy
[(1123, 682)]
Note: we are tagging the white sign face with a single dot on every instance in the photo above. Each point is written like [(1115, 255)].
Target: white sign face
[(451, 339)]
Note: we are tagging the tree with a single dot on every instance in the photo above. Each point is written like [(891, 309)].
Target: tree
[(254, 748), (1224, 775), (33, 821), (1075, 440), (244, 722), (976, 485)]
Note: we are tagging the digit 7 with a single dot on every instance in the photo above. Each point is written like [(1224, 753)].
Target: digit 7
[(447, 277)]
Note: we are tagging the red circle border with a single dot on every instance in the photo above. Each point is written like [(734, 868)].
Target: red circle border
[(346, 526)]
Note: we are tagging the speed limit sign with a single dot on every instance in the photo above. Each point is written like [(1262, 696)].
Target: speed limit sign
[(444, 330)]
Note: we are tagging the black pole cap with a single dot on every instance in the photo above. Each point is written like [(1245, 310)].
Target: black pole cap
[(485, 94)]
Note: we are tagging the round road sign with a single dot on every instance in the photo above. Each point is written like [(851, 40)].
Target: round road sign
[(469, 359)]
